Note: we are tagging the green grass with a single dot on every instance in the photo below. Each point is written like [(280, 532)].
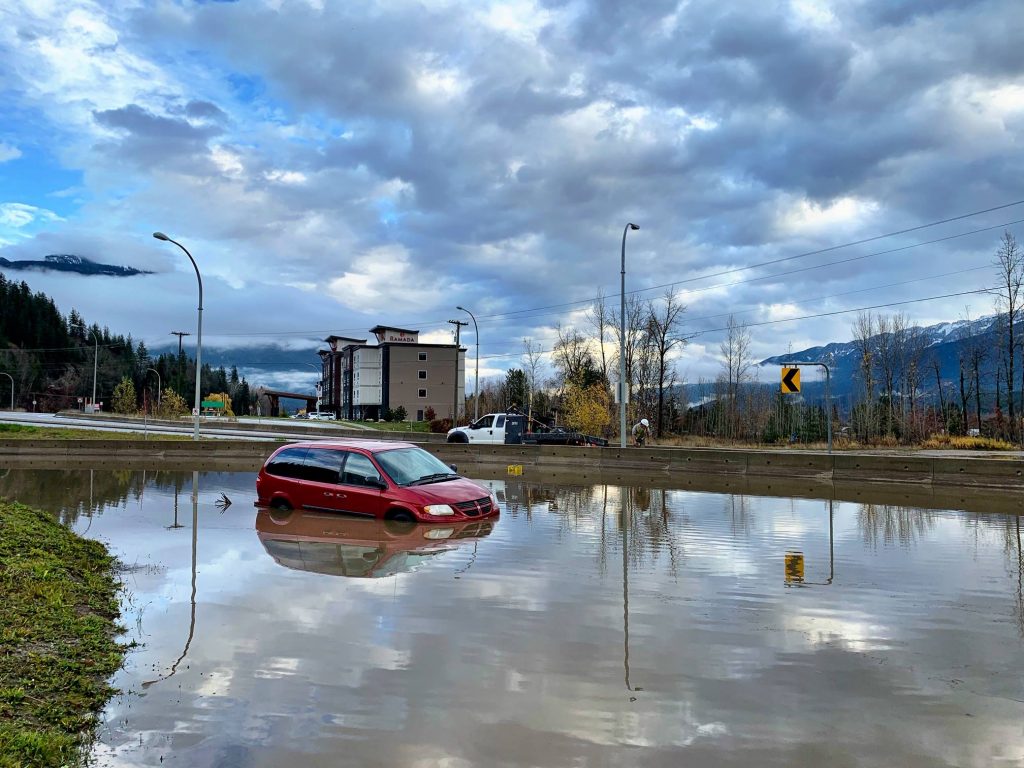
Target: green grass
[(388, 426), (57, 647), (29, 432)]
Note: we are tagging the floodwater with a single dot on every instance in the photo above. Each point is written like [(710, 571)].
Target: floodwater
[(590, 625)]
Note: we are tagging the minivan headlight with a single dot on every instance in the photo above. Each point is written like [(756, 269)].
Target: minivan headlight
[(439, 510), (439, 533), (494, 499)]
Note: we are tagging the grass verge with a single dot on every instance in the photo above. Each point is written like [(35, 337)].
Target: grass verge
[(390, 426), (29, 432), (968, 443), (57, 648)]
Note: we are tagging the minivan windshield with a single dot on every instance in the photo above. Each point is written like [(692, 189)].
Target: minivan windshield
[(408, 466)]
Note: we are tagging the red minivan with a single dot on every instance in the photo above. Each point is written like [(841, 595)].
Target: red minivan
[(370, 478)]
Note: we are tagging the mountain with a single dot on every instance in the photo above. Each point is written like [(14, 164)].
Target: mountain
[(67, 262), (942, 342), (269, 365)]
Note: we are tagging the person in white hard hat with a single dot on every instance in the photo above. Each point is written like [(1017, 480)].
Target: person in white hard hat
[(641, 433)]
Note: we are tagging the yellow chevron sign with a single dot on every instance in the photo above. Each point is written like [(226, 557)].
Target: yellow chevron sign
[(790, 380)]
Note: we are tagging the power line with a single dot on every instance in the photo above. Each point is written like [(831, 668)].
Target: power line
[(805, 317), (763, 277), (526, 311), (812, 300)]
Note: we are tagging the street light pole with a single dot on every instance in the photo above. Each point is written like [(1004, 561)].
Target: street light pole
[(476, 376), (159, 386), (623, 387), (12, 387), (199, 333), (455, 397)]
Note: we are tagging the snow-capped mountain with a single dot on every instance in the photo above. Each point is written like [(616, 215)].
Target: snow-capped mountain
[(943, 342), (69, 262)]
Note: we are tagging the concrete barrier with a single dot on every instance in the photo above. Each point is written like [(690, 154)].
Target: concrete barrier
[(684, 467), (321, 430)]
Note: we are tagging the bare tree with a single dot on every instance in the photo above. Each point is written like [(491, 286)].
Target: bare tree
[(736, 363), (863, 339), (886, 364), (600, 320), (571, 356), (914, 346), (1009, 264), (636, 327), (663, 336), (533, 362)]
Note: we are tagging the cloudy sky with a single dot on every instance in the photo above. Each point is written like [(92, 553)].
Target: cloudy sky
[(334, 165)]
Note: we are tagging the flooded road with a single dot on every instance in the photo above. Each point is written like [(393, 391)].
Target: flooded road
[(590, 625)]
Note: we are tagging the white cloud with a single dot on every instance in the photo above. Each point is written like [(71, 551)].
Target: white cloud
[(20, 215), (808, 217), (383, 282), (284, 177), (8, 152)]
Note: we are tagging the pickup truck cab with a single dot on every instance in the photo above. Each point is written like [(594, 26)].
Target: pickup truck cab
[(487, 429)]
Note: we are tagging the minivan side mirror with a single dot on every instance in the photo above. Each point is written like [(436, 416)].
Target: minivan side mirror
[(454, 467)]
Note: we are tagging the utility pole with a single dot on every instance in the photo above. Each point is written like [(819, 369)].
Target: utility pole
[(455, 399), (179, 334)]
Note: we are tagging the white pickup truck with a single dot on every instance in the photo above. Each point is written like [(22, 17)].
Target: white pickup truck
[(486, 429)]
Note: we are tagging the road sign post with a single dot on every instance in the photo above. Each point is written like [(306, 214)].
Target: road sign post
[(791, 383)]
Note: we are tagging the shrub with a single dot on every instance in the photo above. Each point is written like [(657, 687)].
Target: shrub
[(124, 400), (430, 414), (399, 414), (440, 425), (172, 405), (387, 415)]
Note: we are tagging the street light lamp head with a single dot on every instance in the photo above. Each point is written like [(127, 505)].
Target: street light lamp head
[(632, 226), (463, 309), (161, 236)]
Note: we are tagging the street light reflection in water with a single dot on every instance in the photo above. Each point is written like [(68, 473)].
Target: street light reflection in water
[(591, 624)]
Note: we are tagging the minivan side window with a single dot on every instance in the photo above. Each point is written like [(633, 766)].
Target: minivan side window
[(359, 470), (322, 465), (288, 463)]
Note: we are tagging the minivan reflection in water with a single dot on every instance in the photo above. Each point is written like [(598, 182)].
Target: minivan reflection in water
[(370, 478), (330, 544)]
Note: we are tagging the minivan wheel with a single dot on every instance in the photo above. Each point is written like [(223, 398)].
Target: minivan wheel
[(281, 504), (400, 516)]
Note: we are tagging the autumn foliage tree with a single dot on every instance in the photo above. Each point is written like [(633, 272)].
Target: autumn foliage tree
[(587, 409)]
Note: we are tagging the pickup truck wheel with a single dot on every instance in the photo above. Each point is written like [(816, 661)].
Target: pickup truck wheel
[(458, 437)]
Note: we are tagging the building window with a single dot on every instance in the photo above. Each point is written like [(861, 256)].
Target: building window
[(422, 374), (423, 393), (419, 415), (423, 356)]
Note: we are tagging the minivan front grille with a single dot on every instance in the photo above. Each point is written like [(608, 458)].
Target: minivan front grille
[(474, 508)]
